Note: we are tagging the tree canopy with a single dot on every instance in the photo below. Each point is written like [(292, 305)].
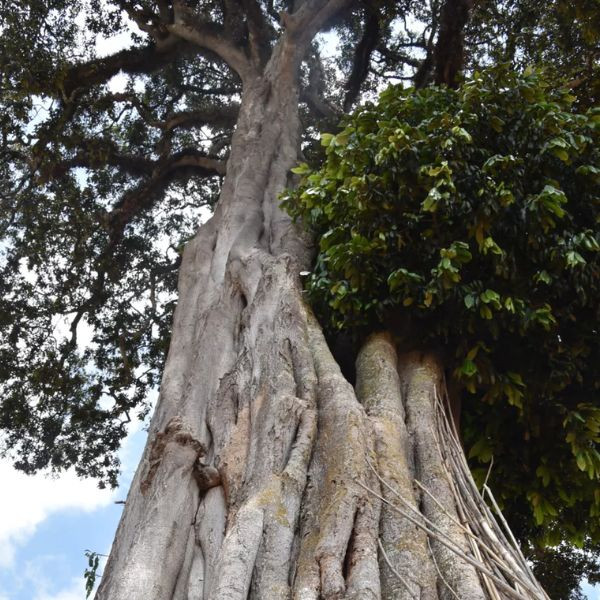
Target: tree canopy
[(109, 161)]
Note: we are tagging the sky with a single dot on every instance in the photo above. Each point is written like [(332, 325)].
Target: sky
[(47, 523)]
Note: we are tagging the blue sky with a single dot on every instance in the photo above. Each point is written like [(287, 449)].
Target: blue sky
[(46, 524)]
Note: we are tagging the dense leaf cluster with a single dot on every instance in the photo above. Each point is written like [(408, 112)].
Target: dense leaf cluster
[(468, 219)]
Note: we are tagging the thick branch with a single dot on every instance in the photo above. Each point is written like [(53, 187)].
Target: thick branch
[(96, 154), (161, 172), (133, 61), (181, 166), (214, 116), (448, 55), (208, 36), (362, 56), (309, 19)]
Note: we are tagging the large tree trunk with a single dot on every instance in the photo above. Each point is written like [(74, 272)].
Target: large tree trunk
[(266, 474)]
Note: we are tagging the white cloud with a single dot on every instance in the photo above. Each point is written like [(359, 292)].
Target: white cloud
[(37, 580), (75, 591), (26, 501)]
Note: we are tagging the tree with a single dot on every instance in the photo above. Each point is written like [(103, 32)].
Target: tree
[(266, 472)]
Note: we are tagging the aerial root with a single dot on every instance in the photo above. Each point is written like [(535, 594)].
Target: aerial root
[(499, 563)]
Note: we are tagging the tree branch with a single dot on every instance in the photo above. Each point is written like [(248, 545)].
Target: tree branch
[(133, 61), (208, 36), (313, 93), (448, 55), (309, 19), (423, 72), (260, 32), (362, 56), (216, 115), (97, 154)]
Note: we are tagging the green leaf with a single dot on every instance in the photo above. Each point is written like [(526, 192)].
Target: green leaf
[(326, 139), (497, 123), (516, 378), (543, 472), (542, 276), (574, 259), (468, 368), (469, 301), (431, 201), (301, 169), (485, 312), (462, 134), (552, 199), (490, 297)]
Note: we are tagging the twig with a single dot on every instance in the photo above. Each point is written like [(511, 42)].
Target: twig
[(439, 536), (489, 471), (439, 572), (394, 571)]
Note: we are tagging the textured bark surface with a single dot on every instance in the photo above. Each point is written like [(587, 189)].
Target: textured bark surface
[(266, 474)]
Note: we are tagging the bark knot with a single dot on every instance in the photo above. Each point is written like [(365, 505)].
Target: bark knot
[(175, 431), (206, 476)]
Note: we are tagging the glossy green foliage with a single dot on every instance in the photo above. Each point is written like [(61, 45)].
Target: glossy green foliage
[(468, 220)]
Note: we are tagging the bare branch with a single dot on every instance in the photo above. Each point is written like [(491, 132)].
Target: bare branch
[(362, 56), (449, 49), (208, 36)]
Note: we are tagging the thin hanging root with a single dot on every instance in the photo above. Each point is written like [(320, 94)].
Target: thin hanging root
[(393, 569), (430, 524), (474, 540), (439, 572), (442, 539), (476, 511), (488, 491), (498, 561)]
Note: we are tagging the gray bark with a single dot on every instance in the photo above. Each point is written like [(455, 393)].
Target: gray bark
[(266, 474)]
